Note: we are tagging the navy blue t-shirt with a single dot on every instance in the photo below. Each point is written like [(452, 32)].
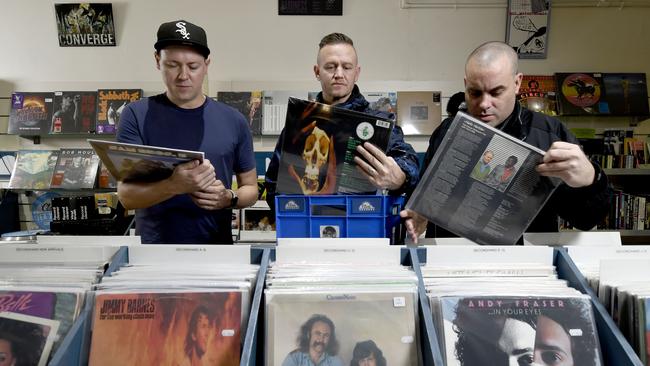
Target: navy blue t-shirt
[(218, 130)]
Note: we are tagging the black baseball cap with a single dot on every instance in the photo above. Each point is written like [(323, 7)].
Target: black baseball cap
[(182, 32)]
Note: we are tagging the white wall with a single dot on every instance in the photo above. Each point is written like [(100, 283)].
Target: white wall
[(254, 48)]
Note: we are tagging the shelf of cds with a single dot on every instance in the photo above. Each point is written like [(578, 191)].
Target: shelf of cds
[(345, 301)]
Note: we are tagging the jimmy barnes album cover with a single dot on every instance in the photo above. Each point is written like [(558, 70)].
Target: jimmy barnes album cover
[(320, 145), (342, 327), (500, 331), (482, 184), (31, 113), (140, 163), (110, 104), (175, 328), (85, 24)]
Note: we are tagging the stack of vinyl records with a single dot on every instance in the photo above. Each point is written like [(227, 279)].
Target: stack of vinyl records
[(40, 299), (509, 313), (166, 313), (341, 313), (619, 275)]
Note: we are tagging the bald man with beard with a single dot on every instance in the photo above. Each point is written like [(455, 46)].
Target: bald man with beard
[(492, 80)]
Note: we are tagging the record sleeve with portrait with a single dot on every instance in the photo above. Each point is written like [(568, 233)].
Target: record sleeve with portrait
[(75, 112), (75, 169), (166, 328), (482, 184), (110, 105), (32, 335), (317, 156), (495, 329), (387, 318), (62, 305)]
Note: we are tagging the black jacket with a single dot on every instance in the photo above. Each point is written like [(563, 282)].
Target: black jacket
[(582, 207), (398, 149)]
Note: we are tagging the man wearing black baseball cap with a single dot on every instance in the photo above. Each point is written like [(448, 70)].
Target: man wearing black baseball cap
[(194, 204), (182, 32)]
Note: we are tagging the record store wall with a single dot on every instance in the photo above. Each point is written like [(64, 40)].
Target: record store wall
[(254, 48)]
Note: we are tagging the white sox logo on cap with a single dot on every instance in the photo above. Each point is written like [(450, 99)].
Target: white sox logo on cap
[(182, 30)]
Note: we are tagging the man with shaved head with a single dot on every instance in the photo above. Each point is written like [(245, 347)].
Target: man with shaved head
[(492, 80), (337, 70)]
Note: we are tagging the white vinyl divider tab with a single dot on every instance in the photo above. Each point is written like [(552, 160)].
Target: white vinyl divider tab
[(110, 240), (624, 269), (30, 253), (334, 241), (189, 254), (451, 255), (341, 253), (573, 238), (593, 255)]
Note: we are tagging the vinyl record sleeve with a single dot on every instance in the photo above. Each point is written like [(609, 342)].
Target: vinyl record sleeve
[(85, 24), (320, 145), (31, 113), (581, 94), (484, 330), (110, 104), (486, 203), (538, 93), (75, 112), (249, 104), (275, 109), (75, 169), (60, 306), (155, 328), (626, 93), (141, 163), (419, 112), (33, 169), (386, 318), (382, 101), (35, 334), (645, 325)]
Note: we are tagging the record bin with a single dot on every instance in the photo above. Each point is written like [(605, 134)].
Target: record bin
[(338, 216), (616, 350), (76, 344)]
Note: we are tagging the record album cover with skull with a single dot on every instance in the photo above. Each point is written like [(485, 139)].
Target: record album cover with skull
[(320, 145)]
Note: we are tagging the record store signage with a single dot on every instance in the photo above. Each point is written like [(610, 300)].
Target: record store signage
[(85, 24), (310, 7)]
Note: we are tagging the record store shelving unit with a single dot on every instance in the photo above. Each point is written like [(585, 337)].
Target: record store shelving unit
[(634, 181), (615, 349)]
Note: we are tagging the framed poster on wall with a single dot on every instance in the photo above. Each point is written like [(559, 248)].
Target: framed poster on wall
[(85, 24), (528, 27)]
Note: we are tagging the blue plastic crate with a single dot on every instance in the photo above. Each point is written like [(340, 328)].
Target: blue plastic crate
[(341, 216)]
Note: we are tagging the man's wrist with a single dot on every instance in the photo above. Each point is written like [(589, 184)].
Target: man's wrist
[(234, 199)]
